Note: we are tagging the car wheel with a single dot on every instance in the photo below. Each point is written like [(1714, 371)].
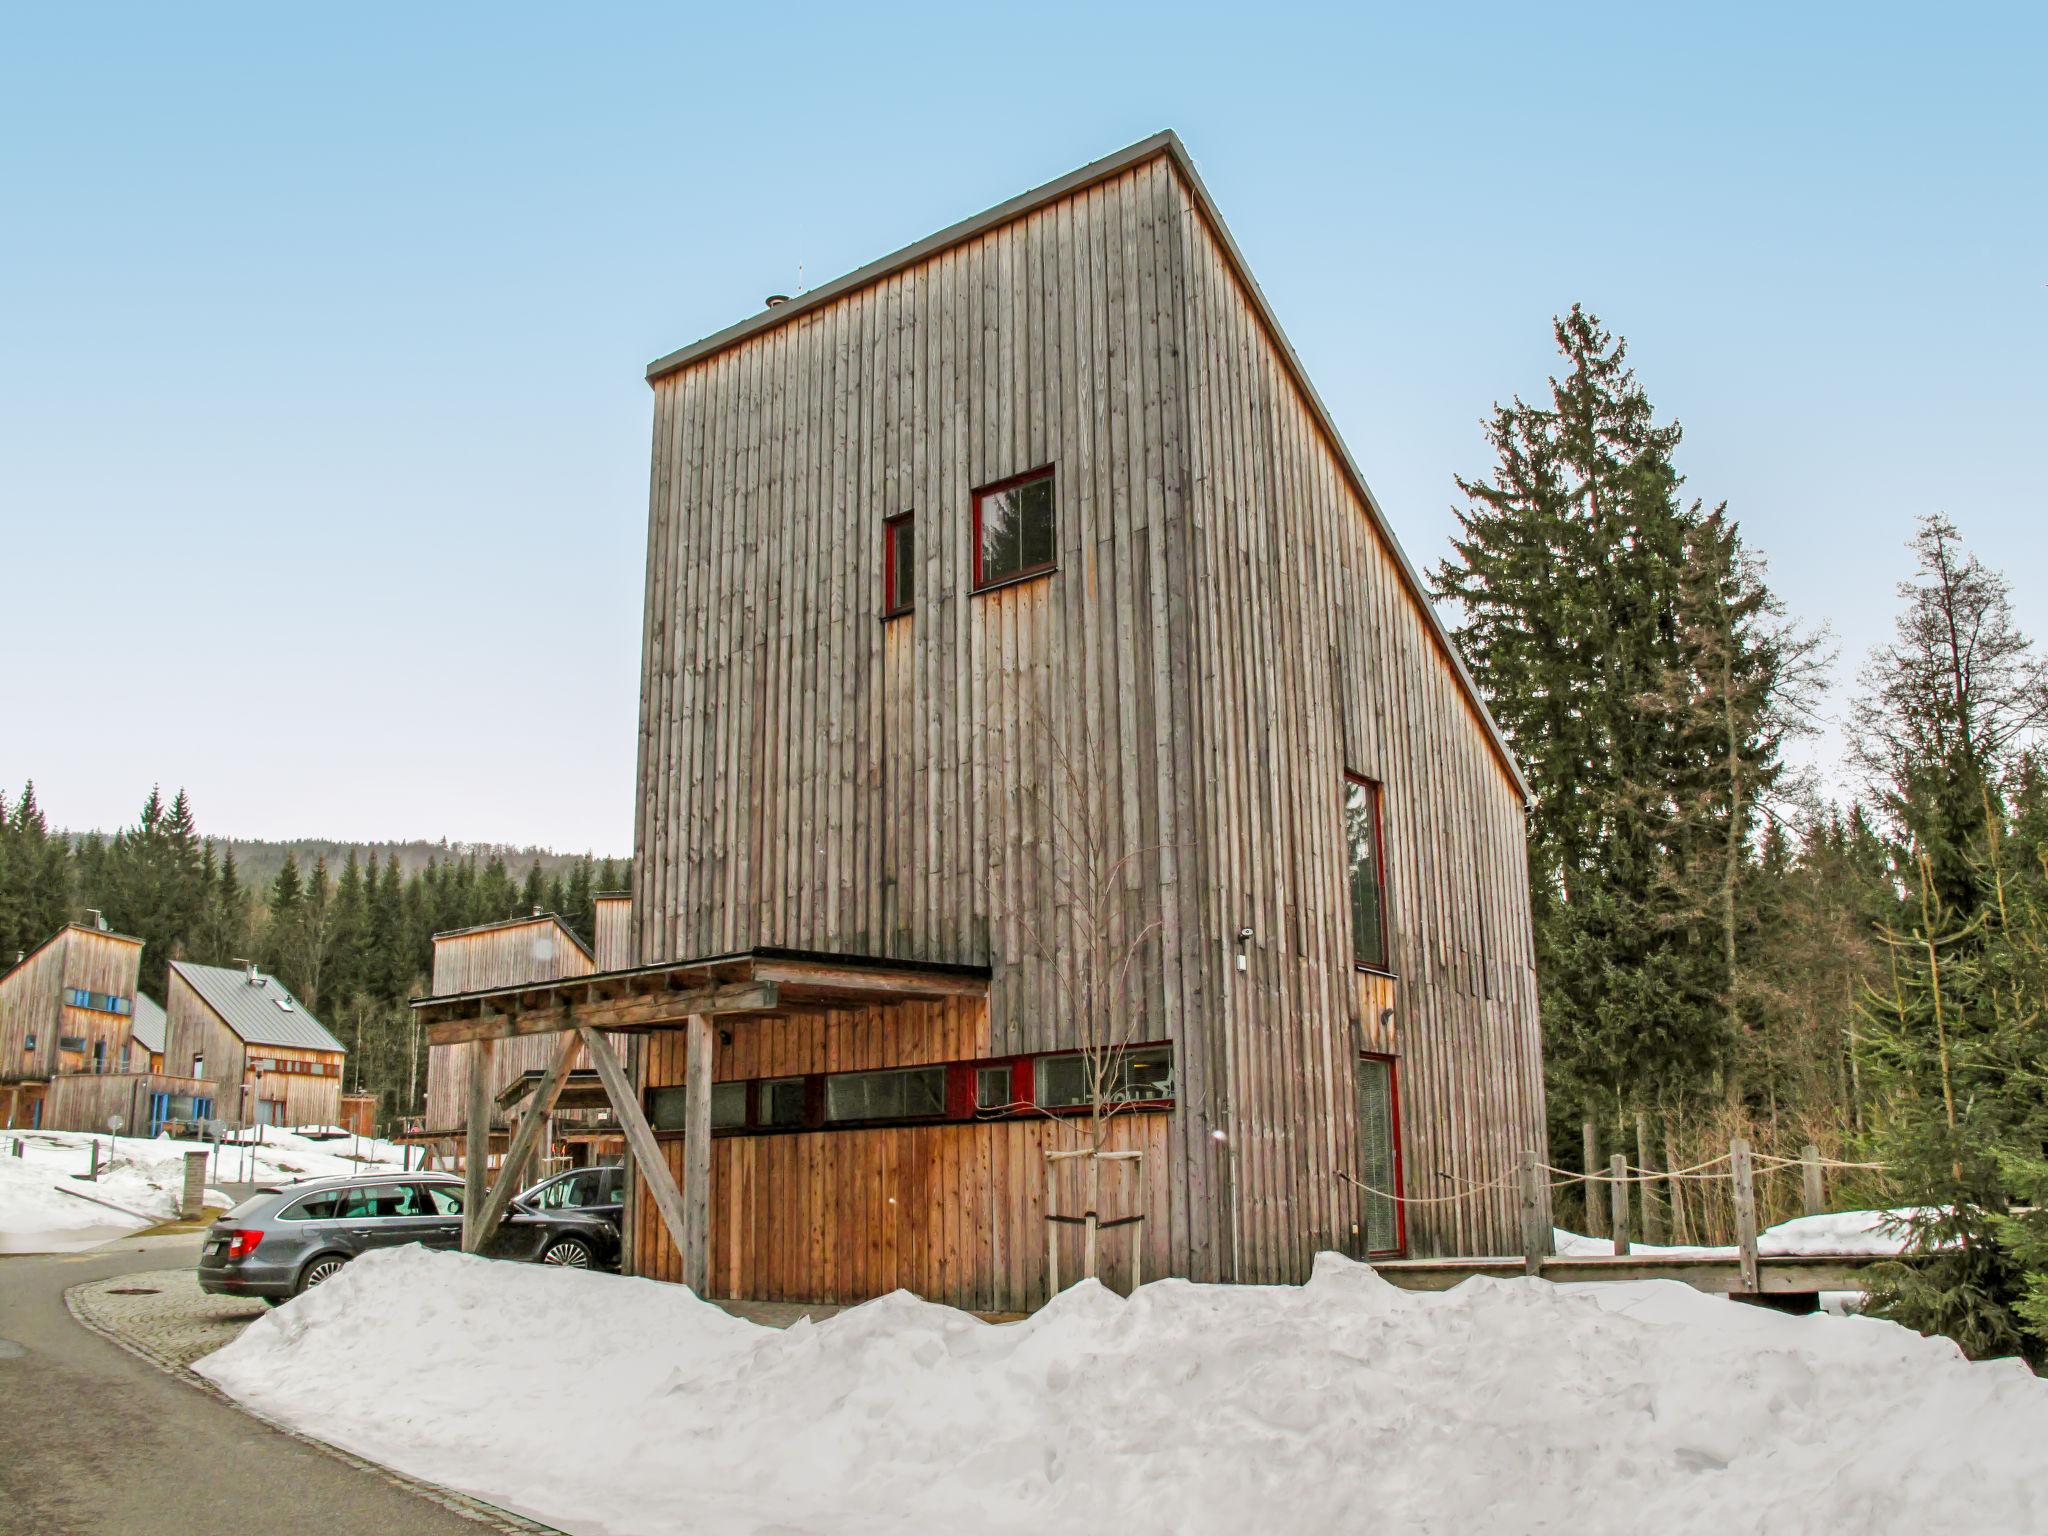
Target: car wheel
[(569, 1252), (322, 1269)]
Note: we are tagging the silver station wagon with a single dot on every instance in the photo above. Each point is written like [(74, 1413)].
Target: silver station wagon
[(281, 1242)]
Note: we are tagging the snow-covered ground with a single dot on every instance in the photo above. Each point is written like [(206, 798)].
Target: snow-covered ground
[(41, 1209), (604, 1405)]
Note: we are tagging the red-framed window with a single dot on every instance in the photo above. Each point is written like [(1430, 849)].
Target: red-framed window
[(899, 564), (1383, 1223), (1016, 529), (1365, 854), (990, 1088)]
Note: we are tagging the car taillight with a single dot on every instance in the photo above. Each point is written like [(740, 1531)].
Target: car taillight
[(242, 1244)]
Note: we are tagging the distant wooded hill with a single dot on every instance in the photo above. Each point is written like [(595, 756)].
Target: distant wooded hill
[(259, 861)]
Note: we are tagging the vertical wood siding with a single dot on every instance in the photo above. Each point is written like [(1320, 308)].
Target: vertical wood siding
[(954, 1212), (1312, 660), (1225, 634)]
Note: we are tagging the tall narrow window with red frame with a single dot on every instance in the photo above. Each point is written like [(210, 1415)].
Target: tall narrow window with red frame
[(1014, 532), (899, 564), (1379, 1155), (1368, 873)]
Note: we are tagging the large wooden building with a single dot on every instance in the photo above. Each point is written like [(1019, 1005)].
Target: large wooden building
[(1029, 541)]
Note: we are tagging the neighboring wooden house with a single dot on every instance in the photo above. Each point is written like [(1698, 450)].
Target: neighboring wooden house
[(1031, 535), (242, 1027), (74, 1041), (541, 947)]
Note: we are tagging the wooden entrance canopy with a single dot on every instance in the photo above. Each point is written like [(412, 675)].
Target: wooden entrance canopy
[(670, 995), (762, 983)]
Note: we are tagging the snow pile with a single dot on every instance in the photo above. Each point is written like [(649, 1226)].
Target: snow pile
[(1336, 1406), (1811, 1236), (40, 1208)]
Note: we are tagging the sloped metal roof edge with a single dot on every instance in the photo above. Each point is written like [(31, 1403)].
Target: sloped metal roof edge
[(1167, 143)]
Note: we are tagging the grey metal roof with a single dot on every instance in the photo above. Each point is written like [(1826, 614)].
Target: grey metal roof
[(1165, 143), (250, 1007), (147, 1025)]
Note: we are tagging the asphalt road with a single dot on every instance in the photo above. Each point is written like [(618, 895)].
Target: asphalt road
[(93, 1440)]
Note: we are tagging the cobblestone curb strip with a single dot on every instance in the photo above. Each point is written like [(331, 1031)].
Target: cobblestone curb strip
[(164, 1318)]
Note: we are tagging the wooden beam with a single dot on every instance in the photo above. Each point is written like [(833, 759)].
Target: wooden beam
[(870, 983), (480, 1231), (646, 1151), (477, 1156), (696, 1245), (640, 1011)]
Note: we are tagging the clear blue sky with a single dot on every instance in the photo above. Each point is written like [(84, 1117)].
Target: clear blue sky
[(323, 439)]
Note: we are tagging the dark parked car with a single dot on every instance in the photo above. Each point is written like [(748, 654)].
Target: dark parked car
[(279, 1243), (571, 1219)]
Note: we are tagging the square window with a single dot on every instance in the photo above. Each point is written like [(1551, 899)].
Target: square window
[(992, 1088), (899, 565), (783, 1101), (1063, 1081), (1014, 530), (1368, 873)]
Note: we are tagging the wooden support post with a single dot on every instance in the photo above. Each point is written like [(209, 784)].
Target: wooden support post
[(1815, 1190), (478, 1232), (1744, 1172), (1535, 1241), (646, 1152), (696, 1248), (1653, 1210), (1617, 1194), (1596, 1208), (476, 1156)]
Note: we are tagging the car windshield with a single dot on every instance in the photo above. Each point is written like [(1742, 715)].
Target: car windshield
[(250, 1206)]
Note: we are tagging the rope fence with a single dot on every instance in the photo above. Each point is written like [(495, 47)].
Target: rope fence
[(1739, 1168)]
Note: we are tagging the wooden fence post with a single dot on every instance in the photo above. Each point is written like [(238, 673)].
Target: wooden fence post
[(1653, 1211), (1535, 1241), (1744, 1173), (1596, 1210), (1816, 1191), (1617, 1193)]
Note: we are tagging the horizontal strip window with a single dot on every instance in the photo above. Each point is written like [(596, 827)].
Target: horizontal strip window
[(98, 1002), (290, 1064), (1051, 1083)]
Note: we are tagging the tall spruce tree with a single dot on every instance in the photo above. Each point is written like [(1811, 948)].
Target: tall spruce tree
[(1565, 585)]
